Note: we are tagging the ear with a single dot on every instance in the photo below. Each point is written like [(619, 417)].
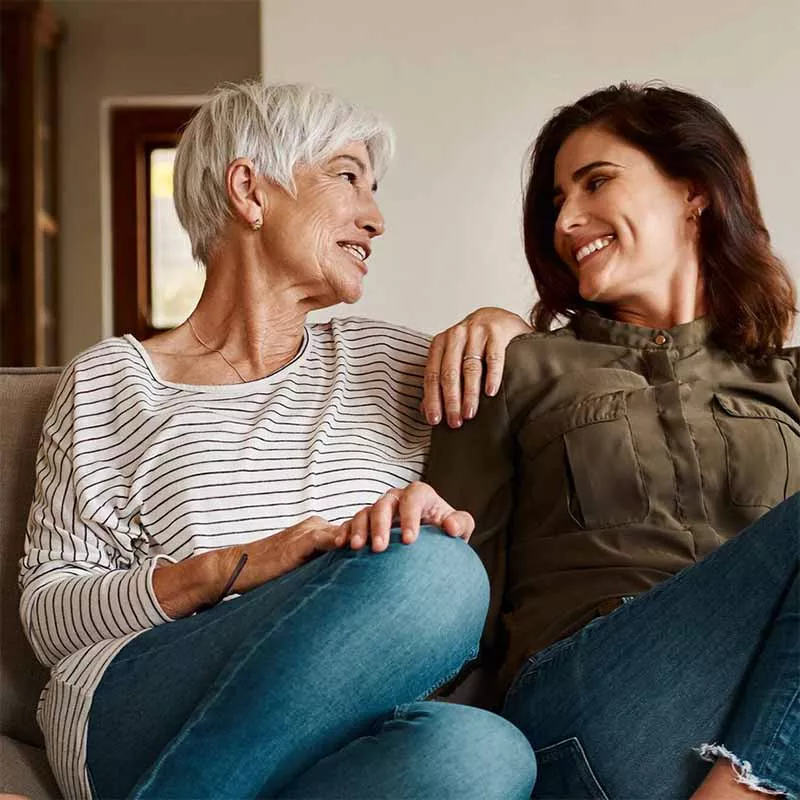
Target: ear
[(697, 199), (247, 199)]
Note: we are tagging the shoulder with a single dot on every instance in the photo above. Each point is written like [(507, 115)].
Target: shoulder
[(531, 350), (108, 363), (104, 352), (790, 358), (86, 377), (355, 333)]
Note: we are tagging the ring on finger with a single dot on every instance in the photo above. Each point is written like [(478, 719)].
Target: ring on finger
[(472, 358)]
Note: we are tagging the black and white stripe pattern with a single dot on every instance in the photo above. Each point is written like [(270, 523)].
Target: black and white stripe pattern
[(132, 469)]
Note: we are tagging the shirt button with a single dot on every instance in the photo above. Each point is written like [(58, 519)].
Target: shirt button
[(660, 339)]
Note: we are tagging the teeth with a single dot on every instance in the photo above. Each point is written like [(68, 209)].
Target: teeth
[(597, 244), (359, 252)]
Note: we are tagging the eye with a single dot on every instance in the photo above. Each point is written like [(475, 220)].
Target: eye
[(593, 184), (350, 177)]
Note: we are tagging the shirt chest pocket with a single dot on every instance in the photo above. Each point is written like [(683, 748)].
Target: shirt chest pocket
[(593, 440), (762, 450)]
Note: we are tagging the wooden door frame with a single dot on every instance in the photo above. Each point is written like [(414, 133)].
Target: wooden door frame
[(134, 132)]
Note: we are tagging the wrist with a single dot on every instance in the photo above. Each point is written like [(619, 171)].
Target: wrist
[(184, 587), (223, 565)]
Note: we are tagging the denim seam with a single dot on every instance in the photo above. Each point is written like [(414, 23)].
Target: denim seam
[(584, 760), (532, 664), (182, 736), (473, 654), (770, 748)]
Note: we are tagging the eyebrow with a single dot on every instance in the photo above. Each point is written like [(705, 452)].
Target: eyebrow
[(360, 164), (583, 171)]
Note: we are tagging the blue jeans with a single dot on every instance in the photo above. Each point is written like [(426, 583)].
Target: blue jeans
[(710, 656), (306, 686)]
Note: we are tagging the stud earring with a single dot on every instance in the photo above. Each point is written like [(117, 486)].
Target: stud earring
[(256, 226)]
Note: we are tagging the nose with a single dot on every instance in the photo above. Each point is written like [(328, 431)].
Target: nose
[(570, 216), (370, 217)]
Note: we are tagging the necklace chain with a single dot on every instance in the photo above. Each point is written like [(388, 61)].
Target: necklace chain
[(215, 350)]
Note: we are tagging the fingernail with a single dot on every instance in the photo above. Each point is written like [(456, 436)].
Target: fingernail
[(434, 419), (454, 422), (470, 413), (491, 390)]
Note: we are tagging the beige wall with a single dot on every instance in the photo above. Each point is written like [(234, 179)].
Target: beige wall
[(117, 49), (467, 83)]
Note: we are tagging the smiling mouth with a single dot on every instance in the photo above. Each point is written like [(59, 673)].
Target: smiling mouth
[(595, 246), (355, 250)]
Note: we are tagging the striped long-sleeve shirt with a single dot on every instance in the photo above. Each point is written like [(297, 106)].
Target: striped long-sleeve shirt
[(132, 469)]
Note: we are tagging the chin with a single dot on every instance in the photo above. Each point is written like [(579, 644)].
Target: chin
[(351, 294), (593, 292)]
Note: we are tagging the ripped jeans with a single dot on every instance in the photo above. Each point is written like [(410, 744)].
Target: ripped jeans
[(306, 687), (706, 664)]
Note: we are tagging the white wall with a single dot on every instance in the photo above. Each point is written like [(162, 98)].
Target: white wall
[(128, 48), (467, 84)]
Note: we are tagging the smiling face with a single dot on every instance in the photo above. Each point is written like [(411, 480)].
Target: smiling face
[(320, 238), (623, 227)]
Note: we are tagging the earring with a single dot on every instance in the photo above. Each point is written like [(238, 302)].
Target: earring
[(696, 214), (256, 226)]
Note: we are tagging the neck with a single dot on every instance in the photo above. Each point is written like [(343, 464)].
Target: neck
[(680, 301), (251, 315)]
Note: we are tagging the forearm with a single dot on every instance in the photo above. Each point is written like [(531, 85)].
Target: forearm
[(64, 611)]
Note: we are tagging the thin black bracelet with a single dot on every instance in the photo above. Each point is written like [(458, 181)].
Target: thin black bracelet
[(234, 575)]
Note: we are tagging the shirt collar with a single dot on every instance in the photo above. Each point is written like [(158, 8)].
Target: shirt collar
[(589, 325)]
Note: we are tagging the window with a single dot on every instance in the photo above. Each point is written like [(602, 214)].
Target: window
[(176, 280), (156, 281)]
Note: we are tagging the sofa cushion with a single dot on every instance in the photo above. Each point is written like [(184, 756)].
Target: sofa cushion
[(24, 771), (24, 397)]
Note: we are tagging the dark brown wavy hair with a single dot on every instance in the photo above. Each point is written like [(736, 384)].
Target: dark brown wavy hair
[(749, 293)]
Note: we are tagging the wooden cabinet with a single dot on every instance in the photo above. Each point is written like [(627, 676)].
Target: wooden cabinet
[(29, 39)]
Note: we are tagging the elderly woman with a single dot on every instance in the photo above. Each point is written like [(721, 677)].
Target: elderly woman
[(638, 505), (219, 459)]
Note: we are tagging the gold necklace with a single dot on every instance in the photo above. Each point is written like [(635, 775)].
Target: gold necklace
[(215, 350)]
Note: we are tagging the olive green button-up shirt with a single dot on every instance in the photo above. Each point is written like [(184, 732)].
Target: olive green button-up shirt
[(613, 457)]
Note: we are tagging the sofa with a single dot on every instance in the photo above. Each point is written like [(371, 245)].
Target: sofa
[(24, 397)]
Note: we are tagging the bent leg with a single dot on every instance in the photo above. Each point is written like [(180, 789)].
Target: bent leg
[(426, 751), (711, 655), (762, 738), (238, 700)]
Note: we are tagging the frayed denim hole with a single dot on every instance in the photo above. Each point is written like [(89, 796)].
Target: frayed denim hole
[(743, 770)]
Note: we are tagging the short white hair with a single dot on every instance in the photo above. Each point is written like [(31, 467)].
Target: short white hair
[(277, 126)]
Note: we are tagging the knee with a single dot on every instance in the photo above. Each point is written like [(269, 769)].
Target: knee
[(482, 751), (498, 754), (445, 576)]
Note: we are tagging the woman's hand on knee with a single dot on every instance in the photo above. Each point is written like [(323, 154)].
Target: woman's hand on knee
[(282, 552), (418, 504), (456, 362)]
